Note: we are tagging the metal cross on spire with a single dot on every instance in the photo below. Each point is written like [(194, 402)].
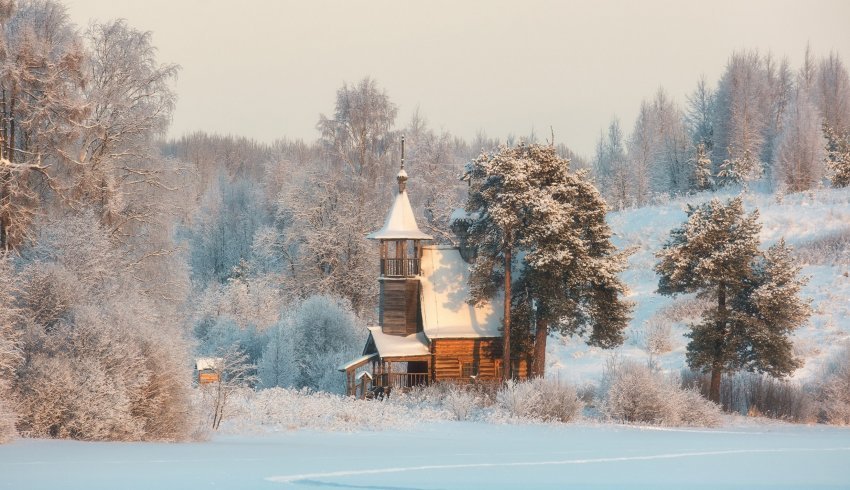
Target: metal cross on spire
[(402, 175)]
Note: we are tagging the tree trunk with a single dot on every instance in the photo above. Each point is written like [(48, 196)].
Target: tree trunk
[(538, 369), (717, 365), (714, 389), (506, 337)]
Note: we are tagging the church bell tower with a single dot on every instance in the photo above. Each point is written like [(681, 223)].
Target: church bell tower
[(400, 241)]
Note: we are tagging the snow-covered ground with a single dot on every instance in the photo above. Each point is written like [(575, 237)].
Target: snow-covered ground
[(449, 455), (816, 224)]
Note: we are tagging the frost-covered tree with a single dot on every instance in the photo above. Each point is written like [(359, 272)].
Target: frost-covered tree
[(129, 100), (741, 116), (326, 228), (10, 350), (40, 80), (304, 350), (642, 152), (235, 372), (611, 168), (701, 177), (434, 165), (359, 135), (780, 94), (223, 233), (800, 154), (496, 206), (740, 170), (838, 157), (832, 93), (670, 171), (715, 254), (101, 359), (568, 281), (699, 117)]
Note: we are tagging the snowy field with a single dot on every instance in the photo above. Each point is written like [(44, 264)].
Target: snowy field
[(450, 455)]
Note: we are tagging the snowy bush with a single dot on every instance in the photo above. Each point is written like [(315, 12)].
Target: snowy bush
[(539, 399), (634, 393), (834, 392), (281, 409), (461, 403), (758, 395)]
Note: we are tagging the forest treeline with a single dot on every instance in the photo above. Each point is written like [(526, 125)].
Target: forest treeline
[(126, 254), (762, 121)]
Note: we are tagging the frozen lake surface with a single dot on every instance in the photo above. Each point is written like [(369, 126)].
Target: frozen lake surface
[(449, 455)]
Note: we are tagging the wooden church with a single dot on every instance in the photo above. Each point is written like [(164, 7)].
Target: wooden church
[(426, 330)]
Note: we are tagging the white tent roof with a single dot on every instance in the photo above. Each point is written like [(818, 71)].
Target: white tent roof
[(401, 222), (444, 290), (400, 346)]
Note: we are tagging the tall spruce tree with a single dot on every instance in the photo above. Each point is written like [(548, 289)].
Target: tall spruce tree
[(715, 253), (569, 276)]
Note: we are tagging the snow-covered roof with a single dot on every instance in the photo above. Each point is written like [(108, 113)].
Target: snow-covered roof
[(444, 293), (203, 363), (400, 223), (354, 362), (398, 345)]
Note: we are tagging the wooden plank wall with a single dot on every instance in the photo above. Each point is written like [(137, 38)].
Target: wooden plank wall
[(399, 306), (451, 354)]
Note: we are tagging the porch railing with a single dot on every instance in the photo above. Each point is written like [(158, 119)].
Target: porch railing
[(401, 380), (399, 267)]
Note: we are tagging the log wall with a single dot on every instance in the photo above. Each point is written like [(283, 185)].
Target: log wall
[(399, 306)]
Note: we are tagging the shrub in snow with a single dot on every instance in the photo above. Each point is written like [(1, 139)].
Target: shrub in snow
[(834, 393), (279, 409), (634, 393), (539, 399), (461, 403), (758, 395)]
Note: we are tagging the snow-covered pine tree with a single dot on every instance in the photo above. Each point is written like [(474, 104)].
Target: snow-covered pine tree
[(498, 193), (837, 156), (568, 281), (715, 254)]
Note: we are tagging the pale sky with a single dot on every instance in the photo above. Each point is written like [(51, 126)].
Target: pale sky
[(266, 69)]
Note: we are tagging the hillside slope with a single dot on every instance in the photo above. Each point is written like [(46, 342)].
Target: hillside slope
[(816, 224)]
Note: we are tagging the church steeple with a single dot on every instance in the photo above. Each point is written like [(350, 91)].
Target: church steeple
[(401, 222)]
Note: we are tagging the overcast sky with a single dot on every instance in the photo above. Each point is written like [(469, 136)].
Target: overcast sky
[(266, 69)]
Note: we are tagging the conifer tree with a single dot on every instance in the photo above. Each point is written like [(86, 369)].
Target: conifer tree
[(715, 254), (496, 201), (569, 276)]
